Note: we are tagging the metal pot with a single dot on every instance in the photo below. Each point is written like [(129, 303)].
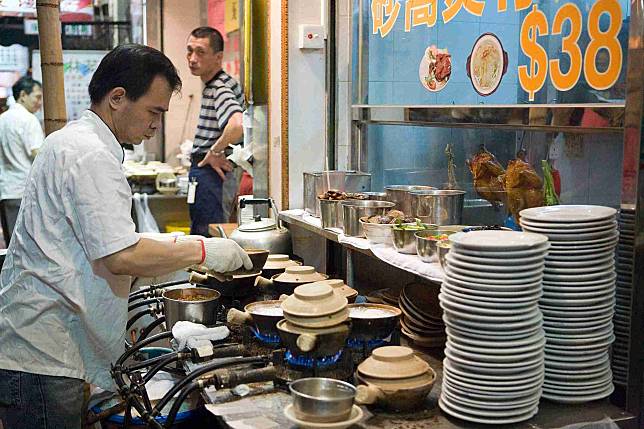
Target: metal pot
[(379, 325), (353, 210), (399, 194), (322, 400), (263, 233), (439, 206), (177, 307), (258, 315), (331, 213)]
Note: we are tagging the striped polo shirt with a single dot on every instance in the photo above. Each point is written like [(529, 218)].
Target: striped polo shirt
[(221, 98)]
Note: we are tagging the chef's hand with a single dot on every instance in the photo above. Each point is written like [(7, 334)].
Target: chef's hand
[(218, 162), (222, 255)]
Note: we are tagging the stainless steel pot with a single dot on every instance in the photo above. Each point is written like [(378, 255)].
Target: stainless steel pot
[(378, 196), (353, 210), (399, 194), (263, 233), (438, 207), (331, 213), (178, 304)]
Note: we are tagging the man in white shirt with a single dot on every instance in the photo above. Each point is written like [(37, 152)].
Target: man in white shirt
[(65, 281), (20, 138)]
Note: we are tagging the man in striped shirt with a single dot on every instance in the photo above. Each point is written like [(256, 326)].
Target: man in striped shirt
[(220, 125)]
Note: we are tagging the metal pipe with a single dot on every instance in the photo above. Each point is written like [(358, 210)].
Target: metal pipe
[(137, 316), (136, 347), (330, 83)]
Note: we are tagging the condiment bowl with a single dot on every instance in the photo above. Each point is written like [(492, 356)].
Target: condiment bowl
[(443, 249), (322, 400), (405, 238), (426, 242)]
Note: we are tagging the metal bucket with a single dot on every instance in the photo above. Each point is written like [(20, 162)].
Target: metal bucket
[(400, 195), (331, 213), (353, 210), (438, 207), (177, 306)]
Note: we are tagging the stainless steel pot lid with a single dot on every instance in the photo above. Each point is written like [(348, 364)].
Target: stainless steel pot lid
[(264, 224)]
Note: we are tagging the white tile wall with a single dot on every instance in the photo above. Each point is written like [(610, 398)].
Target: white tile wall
[(343, 86)]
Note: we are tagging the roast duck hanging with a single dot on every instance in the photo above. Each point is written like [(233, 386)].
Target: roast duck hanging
[(519, 187)]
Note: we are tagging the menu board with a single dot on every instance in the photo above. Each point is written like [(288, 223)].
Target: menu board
[(78, 67), (496, 51)]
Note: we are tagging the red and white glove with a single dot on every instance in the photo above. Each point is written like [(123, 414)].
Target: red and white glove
[(220, 255)]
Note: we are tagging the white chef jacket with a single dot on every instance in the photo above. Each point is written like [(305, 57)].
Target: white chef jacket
[(62, 312), (20, 133)]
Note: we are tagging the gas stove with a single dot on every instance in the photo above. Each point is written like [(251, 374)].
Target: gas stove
[(290, 367)]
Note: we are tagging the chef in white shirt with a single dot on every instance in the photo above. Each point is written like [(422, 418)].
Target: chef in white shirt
[(65, 281), (20, 138)]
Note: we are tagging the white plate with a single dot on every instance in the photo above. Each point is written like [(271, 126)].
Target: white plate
[(558, 245), (582, 253), (583, 390), (499, 401), (564, 293), (571, 301), (489, 307), (491, 361), (568, 213), (507, 329), (494, 346), (496, 261), (466, 371), (492, 296), (601, 235), (573, 386), (489, 405), (579, 256), (516, 334), (497, 240), (488, 386), (507, 279), (571, 278), (490, 300), (503, 254), (601, 259), (356, 415), (577, 374), (570, 365), (584, 312), (584, 322), (607, 266), (567, 226), (499, 288), (528, 390), (565, 340), (546, 230), (578, 399), (483, 268), (484, 315), (581, 283), (495, 369), (447, 407)]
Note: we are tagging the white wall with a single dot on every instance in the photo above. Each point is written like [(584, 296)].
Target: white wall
[(179, 19), (343, 85), (306, 101), (275, 103)]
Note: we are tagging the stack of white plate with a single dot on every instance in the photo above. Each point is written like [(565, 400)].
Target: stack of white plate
[(494, 365), (578, 298), (622, 317)]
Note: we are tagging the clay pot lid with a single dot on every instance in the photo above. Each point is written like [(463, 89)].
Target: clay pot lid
[(300, 274), (393, 362), (392, 385), (341, 288), (286, 326), (319, 321), (279, 262), (314, 300)]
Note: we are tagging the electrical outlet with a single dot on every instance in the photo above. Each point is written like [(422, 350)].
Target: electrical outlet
[(311, 36)]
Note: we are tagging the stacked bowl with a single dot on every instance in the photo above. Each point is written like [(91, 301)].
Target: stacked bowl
[(421, 320), (578, 299), (494, 365), (622, 317)]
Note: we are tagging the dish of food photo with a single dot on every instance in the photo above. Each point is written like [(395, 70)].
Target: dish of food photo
[(487, 64), (435, 68)]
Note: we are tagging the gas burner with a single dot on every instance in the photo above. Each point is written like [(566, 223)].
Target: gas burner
[(268, 339), (289, 368), (361, 344), (307, 362)]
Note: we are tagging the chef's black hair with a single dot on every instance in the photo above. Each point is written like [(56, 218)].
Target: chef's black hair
[(132, 67), (25, 83), (214, 37)]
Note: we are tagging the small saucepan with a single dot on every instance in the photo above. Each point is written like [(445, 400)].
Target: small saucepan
[(261, 315), (194, 304), (373, 321)]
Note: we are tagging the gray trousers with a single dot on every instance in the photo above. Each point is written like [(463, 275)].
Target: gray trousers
[(9, 213), (33, 401)]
